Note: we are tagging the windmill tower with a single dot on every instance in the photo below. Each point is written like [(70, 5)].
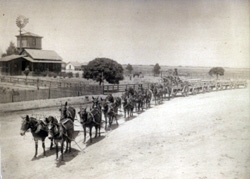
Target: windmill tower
[(21, 22)]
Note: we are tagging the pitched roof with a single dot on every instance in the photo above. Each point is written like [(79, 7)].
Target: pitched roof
[(29, 34), (43, 54), (10, 57), (41, 61), (76, 64)]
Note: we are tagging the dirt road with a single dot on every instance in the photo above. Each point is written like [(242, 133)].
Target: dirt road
[(202, 136)]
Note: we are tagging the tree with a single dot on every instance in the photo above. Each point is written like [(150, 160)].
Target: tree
[(216, 71), (11, 50), (156, 69), (129, 68), (101, 69)]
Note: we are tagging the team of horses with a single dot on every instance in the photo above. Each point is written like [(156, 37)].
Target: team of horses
[(103, 110)]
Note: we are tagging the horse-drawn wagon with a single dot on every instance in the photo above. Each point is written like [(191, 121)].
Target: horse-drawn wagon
[(174, 85), (240, 84)]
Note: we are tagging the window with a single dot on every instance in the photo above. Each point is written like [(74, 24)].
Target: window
[(34, 41)]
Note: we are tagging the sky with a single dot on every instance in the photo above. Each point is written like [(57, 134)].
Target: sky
[(168, 32)]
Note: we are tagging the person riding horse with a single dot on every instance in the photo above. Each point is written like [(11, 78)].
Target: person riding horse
[(110, 98)]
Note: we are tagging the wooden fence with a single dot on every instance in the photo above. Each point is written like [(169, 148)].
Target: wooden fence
[(48, 93), (38, 83), (9, 96), (121, 87)]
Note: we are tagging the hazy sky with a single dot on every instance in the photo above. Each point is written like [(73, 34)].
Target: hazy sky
[(168, 32)]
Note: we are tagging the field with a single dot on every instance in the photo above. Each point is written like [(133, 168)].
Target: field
[(201, 136)]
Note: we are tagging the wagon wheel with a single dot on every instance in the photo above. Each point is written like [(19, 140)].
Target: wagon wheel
[(217, 87), (209, 89), (194, 91), (185, 91), (202, 89), (174, 93)]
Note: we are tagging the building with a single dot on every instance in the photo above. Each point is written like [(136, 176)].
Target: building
[(31, 56), (75, 66), (29, 41)]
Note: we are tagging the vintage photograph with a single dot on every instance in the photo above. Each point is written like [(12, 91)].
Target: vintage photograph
[(124, 89)]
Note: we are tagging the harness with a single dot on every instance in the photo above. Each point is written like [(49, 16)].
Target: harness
[(39, 126), (64, 121), (59, 132), (93, 117)]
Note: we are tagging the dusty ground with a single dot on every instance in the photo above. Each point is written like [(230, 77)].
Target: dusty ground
[(202, 136)]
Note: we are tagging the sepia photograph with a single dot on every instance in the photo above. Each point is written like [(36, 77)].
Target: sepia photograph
[(124, 89)]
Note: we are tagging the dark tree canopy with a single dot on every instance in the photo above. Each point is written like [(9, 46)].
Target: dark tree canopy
[(11, 50), (156, 69), (101, 69), (129, 68), (218, 71)]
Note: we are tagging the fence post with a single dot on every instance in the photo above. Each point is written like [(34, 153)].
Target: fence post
[(12, 96), (37, 83), (49, 89)]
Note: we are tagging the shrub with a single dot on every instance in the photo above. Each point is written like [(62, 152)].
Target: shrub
[(44, 73), (62, 74), (70, 74), (77, 75)]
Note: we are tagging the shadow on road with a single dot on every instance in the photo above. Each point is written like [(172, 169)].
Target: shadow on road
[(67, 157), (94, 140), (48, 153), (130, 118)]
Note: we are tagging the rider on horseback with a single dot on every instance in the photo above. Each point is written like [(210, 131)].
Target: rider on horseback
[(110, 98)]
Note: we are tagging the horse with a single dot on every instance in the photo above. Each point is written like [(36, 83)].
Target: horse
[(112, 113), (104, 107), (67, 112), (148, 97), (90, 119), (38, 129), (138, 98), (110, 98), (67, 122), (118, 103), (58, 133), (157, 93), (128, 106)]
